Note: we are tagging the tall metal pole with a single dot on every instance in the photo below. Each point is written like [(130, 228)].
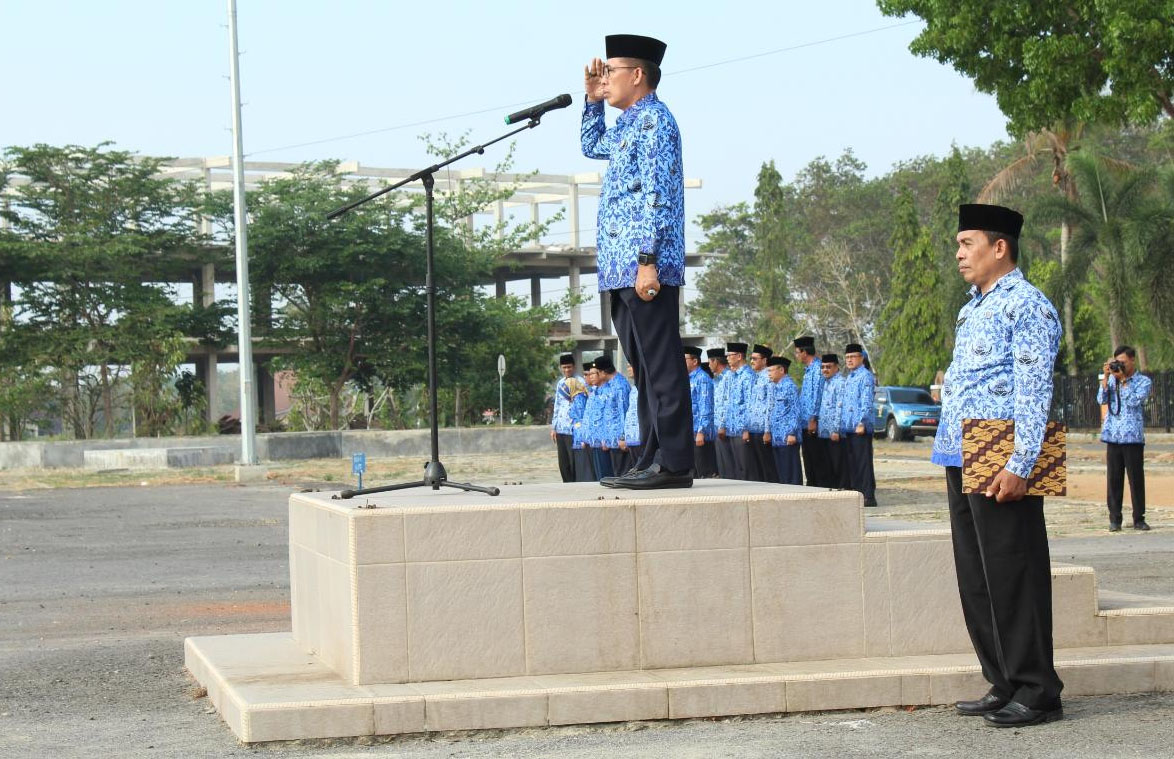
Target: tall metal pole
[(244, 324)]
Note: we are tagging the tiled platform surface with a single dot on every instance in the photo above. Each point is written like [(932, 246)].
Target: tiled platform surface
[(266, 688), (557, 604)]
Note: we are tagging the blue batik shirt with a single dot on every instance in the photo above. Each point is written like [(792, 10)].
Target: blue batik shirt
[(1005, 346), (561, 419), (758, 413), (738, 400), (831, 406), (577, 409), (701, 394), (642, 199), (784, 411), (811, 393), (613, 406), (721, 397), (858, 400), (1127, 425), (632, 418), (592, 416)]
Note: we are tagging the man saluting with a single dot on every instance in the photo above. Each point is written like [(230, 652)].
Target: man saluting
[(640, 243)]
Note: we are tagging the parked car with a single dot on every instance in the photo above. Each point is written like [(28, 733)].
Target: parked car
[(904, 412)]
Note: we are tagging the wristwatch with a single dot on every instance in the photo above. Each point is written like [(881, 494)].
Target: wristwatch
[(644, 259)]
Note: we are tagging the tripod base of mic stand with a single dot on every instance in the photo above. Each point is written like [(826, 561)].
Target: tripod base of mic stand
[(434, 477)]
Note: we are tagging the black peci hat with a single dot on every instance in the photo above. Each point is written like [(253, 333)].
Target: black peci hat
[(736, 348), (566, 358), (693, 351), (853, 348), (830, 358), (588, 366), (715, 353), (806, 341), (635, 46), (989, 219), (782, 361), (605, 364), (762, 350)]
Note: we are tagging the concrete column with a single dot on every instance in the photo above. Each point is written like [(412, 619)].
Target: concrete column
[(499, 282), (605, 311), (211, 384), (576, 311), (573, 213), (498, 218), (535, 292), (208, 285)]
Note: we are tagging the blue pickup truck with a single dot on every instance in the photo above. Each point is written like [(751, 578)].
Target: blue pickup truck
[(904, 412)]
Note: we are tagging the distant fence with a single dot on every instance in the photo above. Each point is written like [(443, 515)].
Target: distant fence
[(1074, 401)]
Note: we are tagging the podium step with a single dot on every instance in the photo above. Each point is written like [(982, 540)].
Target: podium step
[(266, 688)]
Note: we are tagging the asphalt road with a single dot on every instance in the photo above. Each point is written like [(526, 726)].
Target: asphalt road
[(99, 587)]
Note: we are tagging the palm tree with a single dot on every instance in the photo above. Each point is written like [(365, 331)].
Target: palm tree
[(1114, 217), (1055, 143)]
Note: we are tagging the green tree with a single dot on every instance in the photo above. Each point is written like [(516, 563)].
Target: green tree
[(730, 294), (773, 261), (912, 338)]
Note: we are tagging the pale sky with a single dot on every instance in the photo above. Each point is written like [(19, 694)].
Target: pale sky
[(151, 75)]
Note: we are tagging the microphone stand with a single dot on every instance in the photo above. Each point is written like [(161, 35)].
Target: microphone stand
[(435, 476)]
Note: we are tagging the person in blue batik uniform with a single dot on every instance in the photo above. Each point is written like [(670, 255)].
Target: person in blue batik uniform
[(757, 417), (858, 423), (593, 421), (584, 466), (720, 366), (561, 426), (613, 402), (1124, 391), (1005, 347), (782, 433), (810, 396), (701, 398), (830, 422), (741, 378), (640, 246), (630, 443)]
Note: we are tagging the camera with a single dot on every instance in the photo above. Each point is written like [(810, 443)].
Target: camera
[(1116, 366)]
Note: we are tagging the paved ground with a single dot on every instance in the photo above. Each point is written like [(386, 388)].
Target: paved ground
[(99, 586)]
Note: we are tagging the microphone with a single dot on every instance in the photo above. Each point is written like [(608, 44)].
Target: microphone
[(534, 111)]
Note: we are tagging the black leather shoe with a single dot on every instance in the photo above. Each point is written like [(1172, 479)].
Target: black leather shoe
[(610, 482), (1114, 527), (1141, 525), (870, 504), (985, 705), (655, 478), (1016, 714)]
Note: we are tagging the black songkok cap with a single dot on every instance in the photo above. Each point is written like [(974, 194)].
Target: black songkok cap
[(635, 46), (566, 358), (830, 358), (693, 351), (736, 348), (990, 219), (715, 353), (779, 361), (853, 348), (762, 350), (805, 342), (605, 364), (588, 366)]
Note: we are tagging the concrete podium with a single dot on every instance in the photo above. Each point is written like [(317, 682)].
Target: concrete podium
[(570, 603)]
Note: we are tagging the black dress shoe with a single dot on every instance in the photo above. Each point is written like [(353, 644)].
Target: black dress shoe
[(655, 478), (985, 705), (1016, 714), (1141, 525), (1114, 527)]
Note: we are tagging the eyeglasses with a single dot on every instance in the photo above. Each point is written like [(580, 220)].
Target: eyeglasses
[(608, 70)]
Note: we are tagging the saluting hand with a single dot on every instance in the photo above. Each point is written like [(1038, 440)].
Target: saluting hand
[(593, 80)]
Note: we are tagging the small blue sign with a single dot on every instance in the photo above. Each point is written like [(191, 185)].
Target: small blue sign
[(358, 463)]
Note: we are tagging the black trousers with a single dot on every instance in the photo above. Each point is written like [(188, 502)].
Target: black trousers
[(584, 465), (566, 458), (835, 473), (650, 334), (619, 460), (1122, 458), (787, 464), (747, 462), (727, 466), (705, 459), (602, 461), (1005, 583), (631, 456), (765, 458), (814, 459), (861, 477)]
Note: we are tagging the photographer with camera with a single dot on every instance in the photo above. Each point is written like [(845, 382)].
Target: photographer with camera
[(1125, 392)]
